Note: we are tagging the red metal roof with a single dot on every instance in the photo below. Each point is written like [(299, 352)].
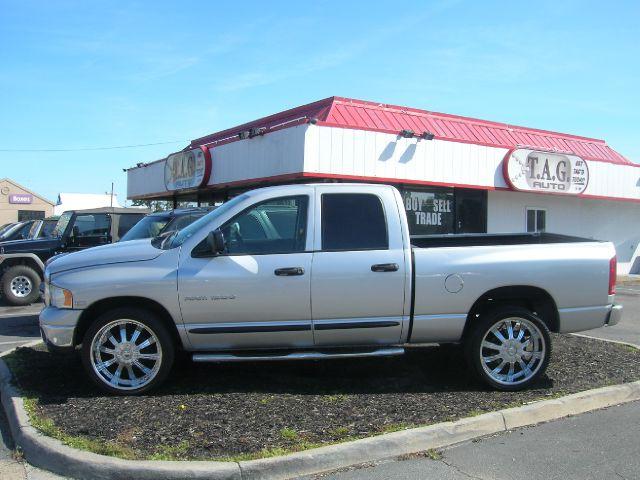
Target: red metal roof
[(363, 115)]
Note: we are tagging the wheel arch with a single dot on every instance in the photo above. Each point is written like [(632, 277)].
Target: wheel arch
[(534, 299), (99, 307), (13, 260)]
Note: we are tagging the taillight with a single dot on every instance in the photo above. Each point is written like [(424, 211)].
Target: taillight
[(612, 276)]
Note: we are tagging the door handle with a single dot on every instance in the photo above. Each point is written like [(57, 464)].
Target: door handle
[(385, 267), (289, 271)]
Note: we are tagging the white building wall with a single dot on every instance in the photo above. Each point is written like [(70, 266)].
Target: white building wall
[(277, 153), (615, 221), (146, 180), (360, 153), (343, 151)]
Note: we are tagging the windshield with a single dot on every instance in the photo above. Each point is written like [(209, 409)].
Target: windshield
[(148, 227), (181, 236), (61, 226)]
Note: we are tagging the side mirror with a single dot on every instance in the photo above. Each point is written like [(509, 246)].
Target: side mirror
[(215, 241)]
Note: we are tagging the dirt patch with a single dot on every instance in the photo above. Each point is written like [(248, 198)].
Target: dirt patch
[(251, 410)]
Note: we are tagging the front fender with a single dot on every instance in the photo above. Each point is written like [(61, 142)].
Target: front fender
[(30, 257)]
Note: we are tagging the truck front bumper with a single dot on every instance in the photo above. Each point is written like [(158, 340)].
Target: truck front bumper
[(615, 315), (57, 327)]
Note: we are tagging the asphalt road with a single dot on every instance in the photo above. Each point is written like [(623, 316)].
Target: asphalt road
[(18, 325), (628, 330), (599, 445)]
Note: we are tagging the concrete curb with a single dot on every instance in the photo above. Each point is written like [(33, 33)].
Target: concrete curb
[(51, 454)]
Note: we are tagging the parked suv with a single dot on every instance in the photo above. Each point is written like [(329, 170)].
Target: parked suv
[(22, 261), (163, 223), (17, 231)]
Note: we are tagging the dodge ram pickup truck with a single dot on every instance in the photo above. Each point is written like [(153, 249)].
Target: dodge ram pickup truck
[(322, 271)]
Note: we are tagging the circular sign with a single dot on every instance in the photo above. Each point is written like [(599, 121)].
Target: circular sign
[(187, 169), (527, 170)]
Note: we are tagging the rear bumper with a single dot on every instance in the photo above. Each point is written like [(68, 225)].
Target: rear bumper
[(587, 318), (615, 315)]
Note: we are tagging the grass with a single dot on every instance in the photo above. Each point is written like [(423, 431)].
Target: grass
[(289, 433), (101, 447), (340, 431), (171, 452)]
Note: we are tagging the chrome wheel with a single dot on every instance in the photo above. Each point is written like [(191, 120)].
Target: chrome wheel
[(512, 351), (21, 286), (126, 354)]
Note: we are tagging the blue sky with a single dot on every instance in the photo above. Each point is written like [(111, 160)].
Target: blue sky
[(98, 73)]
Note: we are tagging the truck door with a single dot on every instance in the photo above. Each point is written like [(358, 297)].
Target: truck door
[(256, 294), (359, 269), (89, 230)]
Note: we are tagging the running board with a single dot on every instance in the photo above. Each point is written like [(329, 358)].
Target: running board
[(239, 357)]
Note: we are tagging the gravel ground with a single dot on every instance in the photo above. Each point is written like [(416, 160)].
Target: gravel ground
[(220, 411)]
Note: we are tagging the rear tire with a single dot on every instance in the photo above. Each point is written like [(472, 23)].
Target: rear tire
[(127, 351), (20, 285), (508, 348)]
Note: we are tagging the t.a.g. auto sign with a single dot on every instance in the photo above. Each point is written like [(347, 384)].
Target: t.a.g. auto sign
[(528, 170), (187, 169)]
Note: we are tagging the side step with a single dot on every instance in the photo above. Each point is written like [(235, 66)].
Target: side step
[(307, 355)]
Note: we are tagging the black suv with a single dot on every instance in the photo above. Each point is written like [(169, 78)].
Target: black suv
[(163, 223), (22, 262)]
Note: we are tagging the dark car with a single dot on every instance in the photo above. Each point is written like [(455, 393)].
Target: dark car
[(22, 261), (162, 223), (18, 231)]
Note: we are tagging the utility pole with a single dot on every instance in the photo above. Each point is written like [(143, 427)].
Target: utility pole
[(111, 205)]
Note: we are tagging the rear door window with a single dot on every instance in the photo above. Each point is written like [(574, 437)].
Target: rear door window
[(353, 221)]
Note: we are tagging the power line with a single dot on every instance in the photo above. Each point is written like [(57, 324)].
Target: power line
[(86, 149)]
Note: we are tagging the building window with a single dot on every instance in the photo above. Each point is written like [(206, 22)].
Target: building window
[(471, 210), (429, 211), (536, 220), (24, 215)]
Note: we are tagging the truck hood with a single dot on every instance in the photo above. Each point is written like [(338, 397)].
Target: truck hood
[(131, 251)]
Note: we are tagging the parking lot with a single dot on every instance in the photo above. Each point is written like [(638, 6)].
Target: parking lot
[(18, 325)]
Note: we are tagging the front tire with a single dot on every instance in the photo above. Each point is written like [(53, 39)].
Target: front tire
[(127, 351), (20, 285), (508, 348)]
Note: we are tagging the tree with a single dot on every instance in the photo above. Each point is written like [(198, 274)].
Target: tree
[(153, 205)]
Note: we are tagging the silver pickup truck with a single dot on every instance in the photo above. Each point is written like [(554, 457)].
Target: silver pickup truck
[(322, 271)]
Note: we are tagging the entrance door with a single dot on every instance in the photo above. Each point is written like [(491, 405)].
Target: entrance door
[(256, 294), (359, 270)]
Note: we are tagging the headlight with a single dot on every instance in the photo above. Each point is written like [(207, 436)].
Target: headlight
[(58, 297)]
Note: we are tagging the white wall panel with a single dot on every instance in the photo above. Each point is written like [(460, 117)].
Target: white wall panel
[(615, 221), (277, 153), (339, 151), (146, 180)]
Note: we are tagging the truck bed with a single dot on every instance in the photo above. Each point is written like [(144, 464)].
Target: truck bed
[(491, 239)]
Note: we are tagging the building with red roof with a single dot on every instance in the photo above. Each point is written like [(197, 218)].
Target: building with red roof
[(490, 176)]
